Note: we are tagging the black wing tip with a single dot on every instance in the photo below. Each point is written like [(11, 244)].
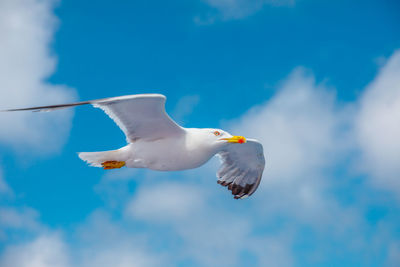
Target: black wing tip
[(47, 108), (238, 191), (97, 101)]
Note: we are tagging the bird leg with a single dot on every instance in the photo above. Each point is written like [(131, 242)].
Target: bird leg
[(112, 164)]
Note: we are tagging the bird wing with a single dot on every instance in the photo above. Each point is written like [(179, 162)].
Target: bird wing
[(138, 116), (242, 168)]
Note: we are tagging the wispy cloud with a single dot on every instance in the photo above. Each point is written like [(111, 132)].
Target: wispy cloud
[(236, 9), (26, 29), (19, 218), (184, 108), (4, 187)]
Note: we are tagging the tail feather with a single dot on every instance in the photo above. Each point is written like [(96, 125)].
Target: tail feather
[(95, 159)]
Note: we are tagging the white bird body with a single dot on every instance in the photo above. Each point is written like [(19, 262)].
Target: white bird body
[(156, 142), (167, 154), (187, 151)]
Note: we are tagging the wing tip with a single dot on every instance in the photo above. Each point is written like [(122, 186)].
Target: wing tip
[(238, 191), (93, 102), (241, 197)]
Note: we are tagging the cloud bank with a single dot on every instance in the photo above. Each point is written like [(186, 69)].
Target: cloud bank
[(26, 30), (378, 126)]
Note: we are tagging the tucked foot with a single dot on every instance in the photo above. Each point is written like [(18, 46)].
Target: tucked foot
[(112, 164)]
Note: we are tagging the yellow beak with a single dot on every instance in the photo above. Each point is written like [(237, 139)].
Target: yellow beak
[(235, 139)]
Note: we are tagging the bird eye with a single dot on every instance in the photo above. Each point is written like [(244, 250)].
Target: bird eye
[(216, 133)]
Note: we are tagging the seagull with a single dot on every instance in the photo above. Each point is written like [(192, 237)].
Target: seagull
[(156, 142)]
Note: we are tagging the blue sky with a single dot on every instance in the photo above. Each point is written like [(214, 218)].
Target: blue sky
[(317, 82)]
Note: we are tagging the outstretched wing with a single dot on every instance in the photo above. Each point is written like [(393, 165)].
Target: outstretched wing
[(242, 168), (138, 116)]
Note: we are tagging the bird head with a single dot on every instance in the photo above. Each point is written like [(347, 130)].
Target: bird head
[(223, 137), (215, 139)]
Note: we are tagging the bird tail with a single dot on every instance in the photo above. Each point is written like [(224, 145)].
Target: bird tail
[(97, 159)]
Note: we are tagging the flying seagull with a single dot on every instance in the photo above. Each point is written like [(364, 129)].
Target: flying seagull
[(156, 142)]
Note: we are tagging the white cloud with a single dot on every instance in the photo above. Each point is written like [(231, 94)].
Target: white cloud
[(26, 28), (123, 256), (378, 126), (45, 251), (15, 221), (104, 242), (185, 107), (166, 202), (4, 188), (301, 128), (99, 241), (205, 229), (13, 218), (19, 218), (304, 132), (237, 9), (306, 135)]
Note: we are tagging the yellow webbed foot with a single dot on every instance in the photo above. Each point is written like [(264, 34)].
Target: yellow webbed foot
[(112, 164)]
